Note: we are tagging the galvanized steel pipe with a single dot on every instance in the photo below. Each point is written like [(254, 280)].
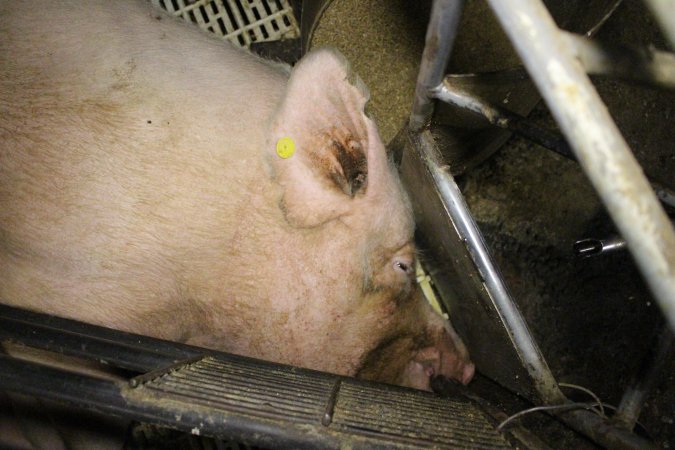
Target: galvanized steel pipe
[(596, 141), (440, 37), (664, 13), (646, 65)]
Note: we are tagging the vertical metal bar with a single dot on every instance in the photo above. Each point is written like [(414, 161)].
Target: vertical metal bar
[(664, 13), (648, 375), (440, 37), (597, 143)]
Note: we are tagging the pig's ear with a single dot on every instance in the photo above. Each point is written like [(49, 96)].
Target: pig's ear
[(321, 121)]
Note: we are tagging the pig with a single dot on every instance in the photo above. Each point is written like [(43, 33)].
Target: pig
[(156, 180)]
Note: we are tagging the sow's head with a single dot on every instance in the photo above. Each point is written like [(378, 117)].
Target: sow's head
[(338, 184)]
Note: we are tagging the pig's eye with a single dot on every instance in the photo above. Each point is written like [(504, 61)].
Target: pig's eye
[(401, 266), (405, 268)]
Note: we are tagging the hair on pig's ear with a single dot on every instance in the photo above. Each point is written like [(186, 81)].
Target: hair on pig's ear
[(318, 142)]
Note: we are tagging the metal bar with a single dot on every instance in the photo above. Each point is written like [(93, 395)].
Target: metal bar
[(593, 31), (520, 336), (646, 65), (456, 276), (598, 428), (664, 194), (663, 11), (586, 248), (29, 378), (588, 423), (111, 347), (110, 397), (503, 118), (603, 431), (600, 148), (648, 375), (72, 344), (441, 33), (143, 343)]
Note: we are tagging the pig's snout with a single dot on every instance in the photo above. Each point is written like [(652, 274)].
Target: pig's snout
[(448, 362), (454, 357), (454, 366), (446, 357)]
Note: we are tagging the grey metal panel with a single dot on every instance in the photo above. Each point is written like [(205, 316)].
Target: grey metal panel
[(463, 285)]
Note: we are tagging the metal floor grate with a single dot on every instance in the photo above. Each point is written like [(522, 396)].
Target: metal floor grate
[(408, 417), (220, 396), (336, 409)]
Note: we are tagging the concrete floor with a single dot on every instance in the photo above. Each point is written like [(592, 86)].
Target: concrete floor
[(593, 318)]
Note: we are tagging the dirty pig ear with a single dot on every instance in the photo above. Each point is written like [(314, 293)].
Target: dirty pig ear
[(318, 141)]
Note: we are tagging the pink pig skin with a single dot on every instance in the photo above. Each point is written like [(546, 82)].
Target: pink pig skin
[(140, 189)]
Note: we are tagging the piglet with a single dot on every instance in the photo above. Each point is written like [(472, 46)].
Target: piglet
[(156, 180)]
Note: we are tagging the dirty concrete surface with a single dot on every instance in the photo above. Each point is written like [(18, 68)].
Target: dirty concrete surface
[(593, 318)]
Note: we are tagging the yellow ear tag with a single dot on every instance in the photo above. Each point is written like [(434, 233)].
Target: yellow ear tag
[(285, 147)]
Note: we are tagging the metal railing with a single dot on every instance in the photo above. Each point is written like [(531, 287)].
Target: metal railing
[(554, 61)]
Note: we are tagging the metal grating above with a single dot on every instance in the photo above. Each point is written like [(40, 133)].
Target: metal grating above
[(241, 22)]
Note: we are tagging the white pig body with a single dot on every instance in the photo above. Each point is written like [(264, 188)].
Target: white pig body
[(140, 189)]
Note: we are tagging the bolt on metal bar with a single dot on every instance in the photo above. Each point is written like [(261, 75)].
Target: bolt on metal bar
[(664, 13), (441, 33), (515, 325), (597, 143)]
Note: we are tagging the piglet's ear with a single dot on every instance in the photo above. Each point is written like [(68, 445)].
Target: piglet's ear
[(322, 117)]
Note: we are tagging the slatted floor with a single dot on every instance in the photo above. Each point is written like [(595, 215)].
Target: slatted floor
[(345, 411)]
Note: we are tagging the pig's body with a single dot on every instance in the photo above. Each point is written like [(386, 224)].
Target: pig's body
[(140, 189)]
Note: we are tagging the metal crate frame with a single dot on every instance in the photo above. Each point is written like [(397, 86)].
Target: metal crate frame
[(550, 57)]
